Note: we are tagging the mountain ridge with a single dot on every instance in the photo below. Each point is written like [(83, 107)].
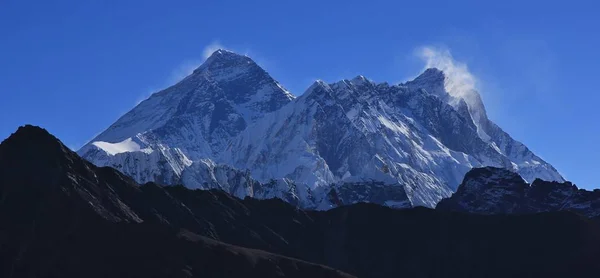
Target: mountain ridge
[(64, 217), (416, 135), (492, 190)]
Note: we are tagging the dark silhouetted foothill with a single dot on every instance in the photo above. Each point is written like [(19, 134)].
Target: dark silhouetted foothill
[(492, 190), (61, 216)]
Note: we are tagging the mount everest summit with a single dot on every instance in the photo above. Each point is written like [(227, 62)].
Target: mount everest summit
[(230, 125)]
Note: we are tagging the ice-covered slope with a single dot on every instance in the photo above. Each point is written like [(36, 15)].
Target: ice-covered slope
[(229, 125), (357, 130), (414, 135), (449, 90), (191, 120)]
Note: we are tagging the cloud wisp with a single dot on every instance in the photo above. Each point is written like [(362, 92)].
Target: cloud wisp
[(211, 48), (460, 82), (185, 68)]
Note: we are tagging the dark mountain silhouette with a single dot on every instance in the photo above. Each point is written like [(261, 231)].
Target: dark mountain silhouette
[(61, 216), (492, 190)]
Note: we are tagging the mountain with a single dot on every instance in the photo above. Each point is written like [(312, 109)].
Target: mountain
[(188, 121), (359, 130), (468, 102), (499, 191), (64, 217), (230, 116)]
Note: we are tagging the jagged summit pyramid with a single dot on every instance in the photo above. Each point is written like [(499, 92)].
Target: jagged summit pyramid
[(230, 123), (467, 101), (226, 84), (191, 120)]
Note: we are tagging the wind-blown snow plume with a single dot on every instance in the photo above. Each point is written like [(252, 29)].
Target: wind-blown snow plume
[(187, 67), (211, 48), (230, 125), (184, 69), (459, 83)]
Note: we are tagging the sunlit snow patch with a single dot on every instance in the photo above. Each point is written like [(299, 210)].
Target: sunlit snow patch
[(127, 145)]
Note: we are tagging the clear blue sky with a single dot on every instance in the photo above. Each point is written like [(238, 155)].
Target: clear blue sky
[(74, 67)]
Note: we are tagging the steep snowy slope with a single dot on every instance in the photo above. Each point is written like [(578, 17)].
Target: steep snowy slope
[(356, 130), (526, 163), (413, 135), (229, 125), (191, 120)]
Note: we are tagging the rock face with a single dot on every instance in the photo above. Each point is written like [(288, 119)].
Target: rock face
[(230, 115), (64, 217), (499, 191)]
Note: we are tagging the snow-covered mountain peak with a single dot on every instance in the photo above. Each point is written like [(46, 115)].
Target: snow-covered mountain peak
[(432, 75), (226, 53), (240, 78), (229, 86), (318, 87), (231, 125), (360, 80), (452, 87), (189, 121), (318, 83), (456, 87), (355, 90), (431, 80), (224, 58)]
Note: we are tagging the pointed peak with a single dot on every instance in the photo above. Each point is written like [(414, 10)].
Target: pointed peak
[(359, 83), (318, 87), (223, 58), (432, 74), (432, 80), (434, 70), (30, 132), (30, 141), (319, 84), (360, 80), (224, 53)]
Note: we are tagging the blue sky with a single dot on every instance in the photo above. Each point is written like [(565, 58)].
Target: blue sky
[(74, 67)]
